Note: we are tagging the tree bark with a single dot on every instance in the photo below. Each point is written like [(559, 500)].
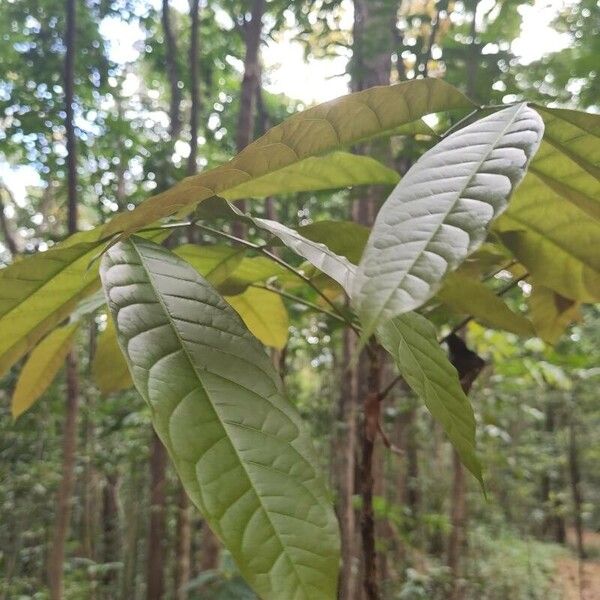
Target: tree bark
[(172, 73), (156, 535), (192, 165), (370, 429), (65, 490), (69, 445), (575, 477), (346, 468), (468, 365), (184, 544), (245, 127), (209, 558), (110, 533), (9, 240)]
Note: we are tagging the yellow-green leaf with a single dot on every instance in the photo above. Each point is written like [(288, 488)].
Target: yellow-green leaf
[(551, 313), (39, 292), (318, 130), (41, 368), (215, 263), (109, 368), (264, 314), (336, 170), (552, 224), (469, 296)]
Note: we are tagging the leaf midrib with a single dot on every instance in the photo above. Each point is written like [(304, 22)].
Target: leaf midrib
[(216, 413)]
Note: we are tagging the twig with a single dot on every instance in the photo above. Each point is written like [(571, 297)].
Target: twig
[(262, 250)]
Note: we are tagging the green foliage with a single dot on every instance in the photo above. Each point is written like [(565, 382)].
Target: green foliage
[(439, 212), (252, 471), (411, 341)]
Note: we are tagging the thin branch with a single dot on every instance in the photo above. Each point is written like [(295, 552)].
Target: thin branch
[(262, 250), (299, 300)]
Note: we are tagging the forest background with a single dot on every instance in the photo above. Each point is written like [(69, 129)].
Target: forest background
[(166, 89)]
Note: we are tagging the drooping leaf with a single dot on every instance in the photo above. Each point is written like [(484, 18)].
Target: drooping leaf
[(411, 340), (109, 368), (439, 213), (318, 130), (264, 314), (336, 170), (551, 313), (469, 296), (41, 368), (553, 222), (217, 404), (215, 263), (40, 291)]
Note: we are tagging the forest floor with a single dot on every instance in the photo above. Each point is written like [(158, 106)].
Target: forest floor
[(580, 582)]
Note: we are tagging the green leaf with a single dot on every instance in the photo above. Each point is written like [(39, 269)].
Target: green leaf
[(317, 254), (255, 269), (215, 263), (411, 340), (345, 238), (40, 291), (217, 404), (109, 367), (551, 313), (41, 368), (469, 296), (264, 314), (553, 222), (313, 132), (439, 213), (333, 171)]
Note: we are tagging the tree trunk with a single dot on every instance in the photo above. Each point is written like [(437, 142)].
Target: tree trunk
[(172, 73), (7, 234), (156, 535), (65, 490), (373, 45), (192, 166), (370, 429), (184, 544), (245, 126), (110, 533), (131, 523), (346, 467), (575, 477), (69, 445), (209, 558), (468, 365)]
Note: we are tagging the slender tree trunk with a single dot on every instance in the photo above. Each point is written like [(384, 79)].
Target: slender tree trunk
[(370, 429), (245, 126), (209, 558), (172, 72), (184, 544), (346, 451), (7, 234), (156, 536), (110, 533), (192, 166), (575, 477), (468, 365), (373, 45), (132, 525), (69, 445)]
